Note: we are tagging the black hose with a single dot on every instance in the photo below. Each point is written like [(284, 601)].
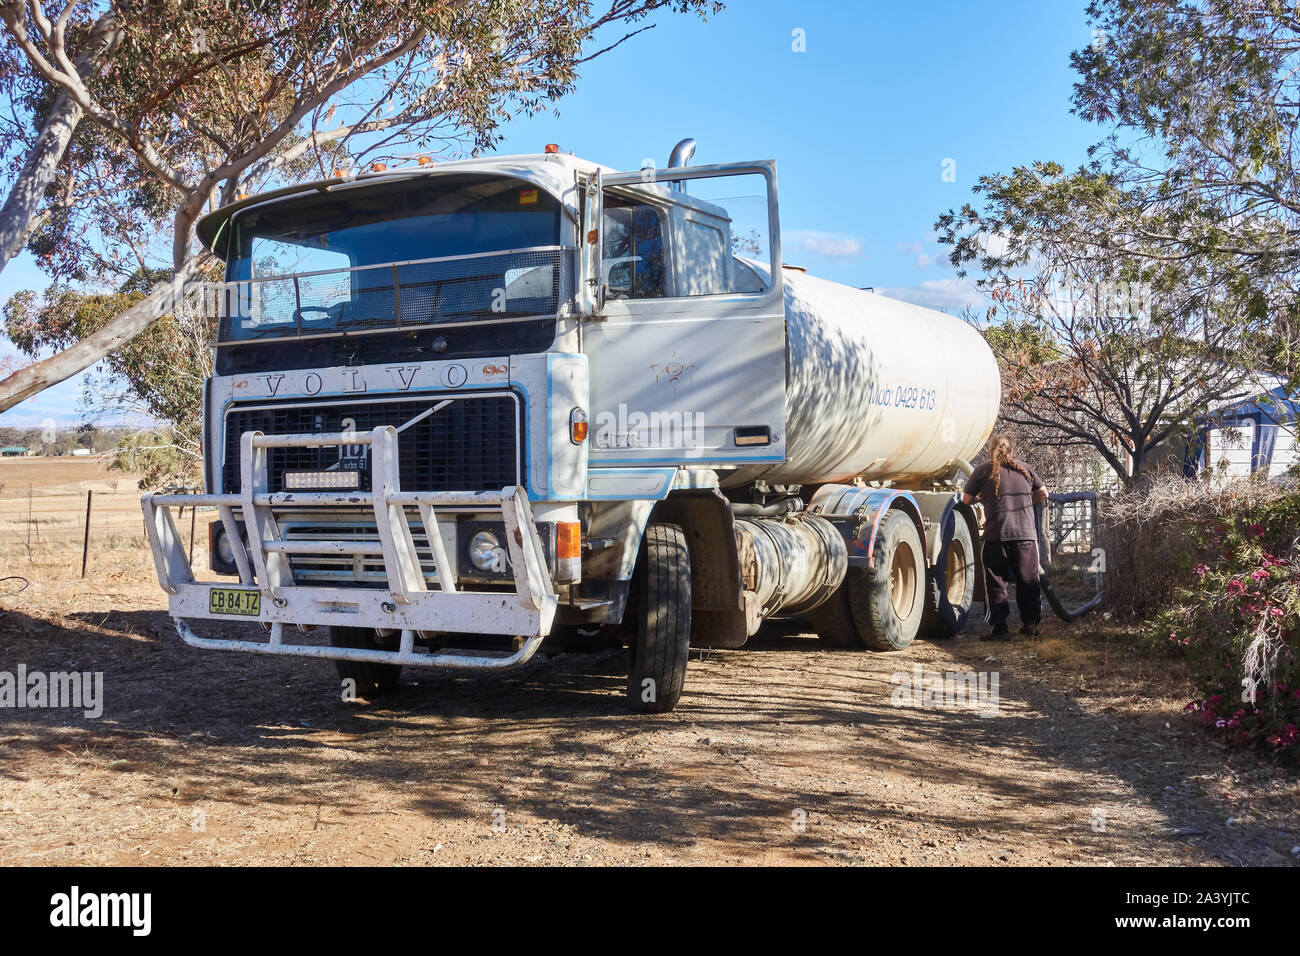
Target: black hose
[(775, 509), (1045, 579), (18, 590)]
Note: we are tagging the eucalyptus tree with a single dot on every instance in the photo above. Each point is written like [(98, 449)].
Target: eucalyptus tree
[(182, 107)]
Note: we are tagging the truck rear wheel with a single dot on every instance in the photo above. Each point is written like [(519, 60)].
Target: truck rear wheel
[(879, 608), (662, 612), (950, 584), (833, 619), (370, 678)]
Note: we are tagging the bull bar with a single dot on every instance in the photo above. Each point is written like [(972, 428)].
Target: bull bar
[(406, 604)]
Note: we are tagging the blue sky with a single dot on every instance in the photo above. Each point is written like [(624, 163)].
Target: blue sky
[(860, 124)]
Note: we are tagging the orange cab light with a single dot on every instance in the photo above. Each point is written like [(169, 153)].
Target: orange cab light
[(552, 147), (568, 539), (578, 426)]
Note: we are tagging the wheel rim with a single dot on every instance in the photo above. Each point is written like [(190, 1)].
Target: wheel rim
[(902, 580), (955, 573)]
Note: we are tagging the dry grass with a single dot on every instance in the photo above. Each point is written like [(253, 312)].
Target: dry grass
[(43, 526), (1057, 650), (1148, 540)]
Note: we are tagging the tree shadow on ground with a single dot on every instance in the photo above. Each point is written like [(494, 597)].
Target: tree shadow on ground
[(764, 733)]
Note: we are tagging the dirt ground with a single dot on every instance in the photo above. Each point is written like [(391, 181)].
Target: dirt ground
[(781, 752)]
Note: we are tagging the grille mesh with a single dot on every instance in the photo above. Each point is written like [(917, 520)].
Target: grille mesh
[(469, 445)]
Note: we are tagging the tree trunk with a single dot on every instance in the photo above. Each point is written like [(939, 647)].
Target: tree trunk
[(18, 217), (19, 214), (39, 376)]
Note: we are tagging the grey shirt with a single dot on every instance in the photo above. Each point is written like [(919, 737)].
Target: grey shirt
[(1009, 516)]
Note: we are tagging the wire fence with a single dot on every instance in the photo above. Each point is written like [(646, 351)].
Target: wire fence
[(84, 530)]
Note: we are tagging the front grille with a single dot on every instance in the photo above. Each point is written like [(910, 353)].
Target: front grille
[(349, 569), (471, 444)]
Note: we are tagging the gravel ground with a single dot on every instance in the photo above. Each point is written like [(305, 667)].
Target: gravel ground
[(781, 752)]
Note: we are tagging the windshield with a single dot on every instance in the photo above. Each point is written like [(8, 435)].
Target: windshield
[(403, 255)]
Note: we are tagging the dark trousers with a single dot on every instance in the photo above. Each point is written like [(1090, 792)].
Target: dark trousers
[(1007, 562)]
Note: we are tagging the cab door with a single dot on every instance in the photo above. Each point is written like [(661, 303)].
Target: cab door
[(685, 318)]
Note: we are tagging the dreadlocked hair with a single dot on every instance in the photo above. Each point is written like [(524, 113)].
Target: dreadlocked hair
[(1000, 454)]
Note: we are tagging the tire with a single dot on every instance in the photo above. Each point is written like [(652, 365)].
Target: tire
[(863, 611), (889, 609), (950, 584), (371, 679), (833, 619), (660, 649)]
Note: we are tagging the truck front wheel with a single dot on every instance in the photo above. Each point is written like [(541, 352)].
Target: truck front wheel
[(368, 678), (662, 615)]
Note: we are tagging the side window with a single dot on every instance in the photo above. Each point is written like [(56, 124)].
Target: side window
[(707, 257), (633, 250), (715, 230)]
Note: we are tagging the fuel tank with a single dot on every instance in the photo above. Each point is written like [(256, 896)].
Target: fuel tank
[(877, 388)]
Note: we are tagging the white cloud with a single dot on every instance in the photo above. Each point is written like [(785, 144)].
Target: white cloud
[(911, 248), (950, 294), (995, 244), (924, 261), (832, 245)]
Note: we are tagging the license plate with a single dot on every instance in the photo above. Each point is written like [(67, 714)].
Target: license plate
[(234, 601)]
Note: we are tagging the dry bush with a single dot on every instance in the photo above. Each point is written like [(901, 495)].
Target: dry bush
[(1150, 534)]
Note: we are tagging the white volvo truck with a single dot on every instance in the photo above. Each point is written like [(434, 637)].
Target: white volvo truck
[(466, 411)]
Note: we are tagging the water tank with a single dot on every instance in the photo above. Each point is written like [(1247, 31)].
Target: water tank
[(877, 388)]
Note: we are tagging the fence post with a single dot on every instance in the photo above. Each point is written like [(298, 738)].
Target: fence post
[(85, 541)]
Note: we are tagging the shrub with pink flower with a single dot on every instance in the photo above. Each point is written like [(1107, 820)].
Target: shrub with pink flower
[(1237, 626)]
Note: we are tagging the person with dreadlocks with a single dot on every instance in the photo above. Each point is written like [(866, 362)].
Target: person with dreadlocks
[(1008, 490)]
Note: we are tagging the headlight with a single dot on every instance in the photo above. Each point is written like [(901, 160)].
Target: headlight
[(224, 551), (485, 551)]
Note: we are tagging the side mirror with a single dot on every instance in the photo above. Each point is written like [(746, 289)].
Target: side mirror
[(591, 290), (620, 280)]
